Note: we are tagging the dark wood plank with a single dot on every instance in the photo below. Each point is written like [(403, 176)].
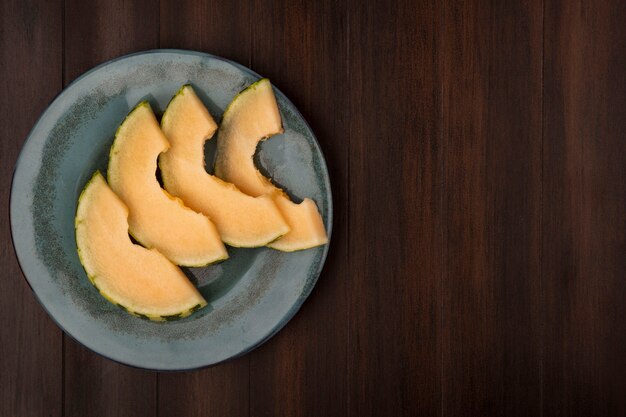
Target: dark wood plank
[(218, 391), (395, 249), (302, 47), (95, 386), (95, 32), (584, 208), (218, 27), (492, 186), (31, 368), (99, 30), (221, 28)]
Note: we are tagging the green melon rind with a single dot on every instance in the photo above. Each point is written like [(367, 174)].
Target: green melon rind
[(113, 151), (180, 91), (92, 278), (263, 177), (295, 250), (234, 102), (253, 86)]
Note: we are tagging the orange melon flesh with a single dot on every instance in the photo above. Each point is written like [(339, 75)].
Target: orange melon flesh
[(309, 231), (241, 220), (251, 117), (157, 219), (141, 280)]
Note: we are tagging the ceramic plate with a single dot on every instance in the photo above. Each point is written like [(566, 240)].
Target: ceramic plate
[(251, 296)]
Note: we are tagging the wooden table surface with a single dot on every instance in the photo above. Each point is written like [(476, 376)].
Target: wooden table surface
[(477, 151)]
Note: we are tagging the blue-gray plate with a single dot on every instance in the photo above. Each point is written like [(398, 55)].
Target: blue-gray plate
[(251, 296)]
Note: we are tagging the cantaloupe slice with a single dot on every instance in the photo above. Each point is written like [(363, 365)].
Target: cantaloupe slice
[(157, 219), (140, 280), (251, 117), (241, 220)]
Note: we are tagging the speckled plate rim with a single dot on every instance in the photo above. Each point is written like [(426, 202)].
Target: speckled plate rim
[(308, 288)]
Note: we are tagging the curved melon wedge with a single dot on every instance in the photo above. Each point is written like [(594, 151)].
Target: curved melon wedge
[(157, 219), (251, 117), (140, 280), (241, 220)]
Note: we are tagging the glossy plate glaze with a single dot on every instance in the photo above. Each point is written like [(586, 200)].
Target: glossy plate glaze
[(251, 296)]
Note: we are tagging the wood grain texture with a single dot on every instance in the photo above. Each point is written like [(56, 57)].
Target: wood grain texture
[(100, 30), (96, 32), (584, 209), (395, 240), (477, 153), (492, 189), (302, 47), (95, 386), (221, 390), (221, 28), (30, 76)]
